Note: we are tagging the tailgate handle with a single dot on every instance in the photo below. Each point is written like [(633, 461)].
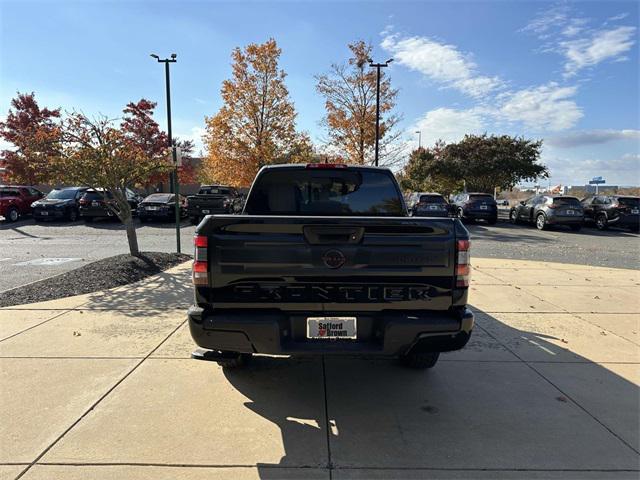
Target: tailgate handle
[(332, 235)]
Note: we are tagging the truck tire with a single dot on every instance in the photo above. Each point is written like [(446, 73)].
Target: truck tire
[(513, 217), (12, 214), (234, 360), (420, 360)]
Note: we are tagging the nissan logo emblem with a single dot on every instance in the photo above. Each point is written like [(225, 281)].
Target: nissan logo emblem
[(333, 258)]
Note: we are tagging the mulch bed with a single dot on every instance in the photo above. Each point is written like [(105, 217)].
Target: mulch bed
[(100, 275)]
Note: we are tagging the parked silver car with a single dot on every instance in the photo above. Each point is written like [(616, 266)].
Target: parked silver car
[(545, 210)]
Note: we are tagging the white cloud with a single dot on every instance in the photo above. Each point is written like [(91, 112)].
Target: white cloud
[(623, 170), (548, 107), (441, 63), (598, 47), (545, 107), (565, 33), (591, 137), (550, 19), (620, 16), (195, 135), (448, 124)]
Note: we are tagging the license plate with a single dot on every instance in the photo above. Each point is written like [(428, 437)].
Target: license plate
[(205, 211), (433, 207), (95, 203), (571, 212), (153, 208), (332, 327), (44, 214), (483, 207), (635, 211)]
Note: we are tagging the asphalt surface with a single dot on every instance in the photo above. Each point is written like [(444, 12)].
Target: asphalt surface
[(614, 248), (30, 252)]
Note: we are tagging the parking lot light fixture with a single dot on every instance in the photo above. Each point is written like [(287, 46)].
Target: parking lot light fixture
[(378, 66), (173, 177)]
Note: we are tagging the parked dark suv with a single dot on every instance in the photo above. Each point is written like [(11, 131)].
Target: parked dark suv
[(93, 204), (475, 206), (60, 203), (545, 210), (430, 205), (161, 206), (612, 210)]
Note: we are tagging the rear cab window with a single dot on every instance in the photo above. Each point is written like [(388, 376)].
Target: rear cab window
[(566, 202), (482, 198), (334, 191), (215, 190), (432, 199), (633, 202)]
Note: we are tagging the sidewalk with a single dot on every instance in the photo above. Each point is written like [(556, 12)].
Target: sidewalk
[(101, 386)]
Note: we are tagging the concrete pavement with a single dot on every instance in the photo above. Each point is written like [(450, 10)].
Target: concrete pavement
[(101, 386)]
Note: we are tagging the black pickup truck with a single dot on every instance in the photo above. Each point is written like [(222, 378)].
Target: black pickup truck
[(325, 260), (212, 199)]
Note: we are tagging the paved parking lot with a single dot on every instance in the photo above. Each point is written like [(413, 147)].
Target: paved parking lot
[(101, 386), (610, 248), (30, 252)]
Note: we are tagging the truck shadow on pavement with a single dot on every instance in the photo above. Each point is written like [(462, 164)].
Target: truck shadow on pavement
[(512, 400), (150, 296)]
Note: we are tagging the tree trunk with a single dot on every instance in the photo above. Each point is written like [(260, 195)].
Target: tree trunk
[(132, 236), (124, 213)]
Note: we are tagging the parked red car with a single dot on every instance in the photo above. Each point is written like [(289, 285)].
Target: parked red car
[(16, 200)]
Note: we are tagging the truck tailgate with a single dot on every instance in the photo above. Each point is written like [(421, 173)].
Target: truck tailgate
[(330, 264)]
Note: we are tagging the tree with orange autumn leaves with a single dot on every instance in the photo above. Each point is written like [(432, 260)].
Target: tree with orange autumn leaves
[(350, 102), (256, 124)]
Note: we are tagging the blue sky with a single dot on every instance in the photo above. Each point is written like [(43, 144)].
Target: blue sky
[(563, 71)]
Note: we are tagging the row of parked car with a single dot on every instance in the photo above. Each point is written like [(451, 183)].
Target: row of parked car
[(88, 204), (601, 211), (73, 203)]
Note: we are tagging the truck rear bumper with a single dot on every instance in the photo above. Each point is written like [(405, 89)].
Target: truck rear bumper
[(386, 333)]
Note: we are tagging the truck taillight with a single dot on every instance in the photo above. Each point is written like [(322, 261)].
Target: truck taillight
[(463, 265), (200, 269)]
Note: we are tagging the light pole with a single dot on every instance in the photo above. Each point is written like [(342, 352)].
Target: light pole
[(173, 176), (378, 66), (419, 139)]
